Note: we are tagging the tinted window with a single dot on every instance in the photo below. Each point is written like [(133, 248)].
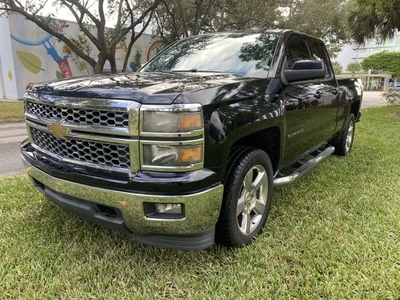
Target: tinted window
[(297, 49), (319, 53)]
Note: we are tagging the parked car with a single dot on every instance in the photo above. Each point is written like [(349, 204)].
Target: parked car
[(187, 151)]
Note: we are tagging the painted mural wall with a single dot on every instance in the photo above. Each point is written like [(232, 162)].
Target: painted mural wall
[(37, 56)]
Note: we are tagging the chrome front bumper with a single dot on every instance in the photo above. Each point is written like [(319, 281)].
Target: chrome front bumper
[(194, 230)]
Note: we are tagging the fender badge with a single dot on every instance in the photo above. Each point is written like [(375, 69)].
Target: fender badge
[(58, 130)]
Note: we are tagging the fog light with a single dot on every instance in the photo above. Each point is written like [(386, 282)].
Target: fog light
[(168, 208), (164, 211)]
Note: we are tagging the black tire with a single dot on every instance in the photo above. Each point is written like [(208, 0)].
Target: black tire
[(247, 197), (345, 144)]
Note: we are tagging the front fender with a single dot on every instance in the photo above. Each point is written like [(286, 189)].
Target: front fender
[(233, 123)]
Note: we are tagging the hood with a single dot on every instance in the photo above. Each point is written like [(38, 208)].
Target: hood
[(149, 88)]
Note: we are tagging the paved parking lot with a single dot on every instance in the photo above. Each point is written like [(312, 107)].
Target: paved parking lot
[(11, 136), (373, 99)]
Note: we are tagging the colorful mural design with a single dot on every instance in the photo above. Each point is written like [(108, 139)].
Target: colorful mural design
[(154, 49), (30, 61), (33, 63), (32, 55)]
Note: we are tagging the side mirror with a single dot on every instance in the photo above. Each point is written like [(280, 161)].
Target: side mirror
[(305, 70)]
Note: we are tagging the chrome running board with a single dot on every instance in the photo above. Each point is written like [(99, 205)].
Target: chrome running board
[(304, 167)]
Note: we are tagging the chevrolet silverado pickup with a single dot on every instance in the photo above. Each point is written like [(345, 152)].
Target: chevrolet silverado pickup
[(186, 151)]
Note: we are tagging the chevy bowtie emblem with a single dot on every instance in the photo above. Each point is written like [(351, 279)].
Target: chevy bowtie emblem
[(58, 130)]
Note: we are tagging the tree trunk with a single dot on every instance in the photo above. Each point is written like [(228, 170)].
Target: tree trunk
[(128, 52), (113, 63), (98, 69)]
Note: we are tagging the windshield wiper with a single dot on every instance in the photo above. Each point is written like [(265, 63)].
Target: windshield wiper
[(196, 70)]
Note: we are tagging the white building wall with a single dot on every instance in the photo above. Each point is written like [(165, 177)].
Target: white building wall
[(8, 80), (345, 57), (356, 53), (31, 55)]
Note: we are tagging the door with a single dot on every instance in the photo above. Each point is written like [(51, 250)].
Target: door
[(329, 91), (310, 104), (303, 104)]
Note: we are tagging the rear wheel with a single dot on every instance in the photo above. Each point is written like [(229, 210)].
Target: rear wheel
[(247, 198), (345, 144)]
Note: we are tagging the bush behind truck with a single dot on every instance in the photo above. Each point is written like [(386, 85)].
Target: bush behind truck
[(186, 152)]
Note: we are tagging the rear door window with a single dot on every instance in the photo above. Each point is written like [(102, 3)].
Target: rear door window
[(319, 53), (297, 49)]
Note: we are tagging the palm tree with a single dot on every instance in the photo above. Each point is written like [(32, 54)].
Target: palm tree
[(369, 19)]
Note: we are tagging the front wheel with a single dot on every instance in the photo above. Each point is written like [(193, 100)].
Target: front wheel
[(247, 198)]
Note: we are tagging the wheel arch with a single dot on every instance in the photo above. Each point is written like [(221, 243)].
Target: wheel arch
[(355, 109), (268, 140)]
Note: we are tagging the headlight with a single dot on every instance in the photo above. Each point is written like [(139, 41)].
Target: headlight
[(172, 137), (168, 122), (163, 155)]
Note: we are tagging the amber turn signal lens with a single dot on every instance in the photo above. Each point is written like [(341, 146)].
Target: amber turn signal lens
[(191, 155), (190, 121)]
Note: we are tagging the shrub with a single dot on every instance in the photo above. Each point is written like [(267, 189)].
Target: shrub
[(392, 97)]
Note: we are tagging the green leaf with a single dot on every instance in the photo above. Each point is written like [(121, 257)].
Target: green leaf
[(59, 75), (30, 61)]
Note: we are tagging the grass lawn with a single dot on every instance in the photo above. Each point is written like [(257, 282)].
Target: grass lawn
[(334, 234), (11, 111)]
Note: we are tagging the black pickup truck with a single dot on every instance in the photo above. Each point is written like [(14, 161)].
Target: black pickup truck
[(186, 152)]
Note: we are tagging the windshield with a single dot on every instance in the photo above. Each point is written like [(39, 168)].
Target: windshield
[(243, 54)]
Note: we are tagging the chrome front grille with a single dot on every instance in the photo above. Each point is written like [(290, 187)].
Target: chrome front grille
[(99, 153), (78, 115), (98, 133)]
